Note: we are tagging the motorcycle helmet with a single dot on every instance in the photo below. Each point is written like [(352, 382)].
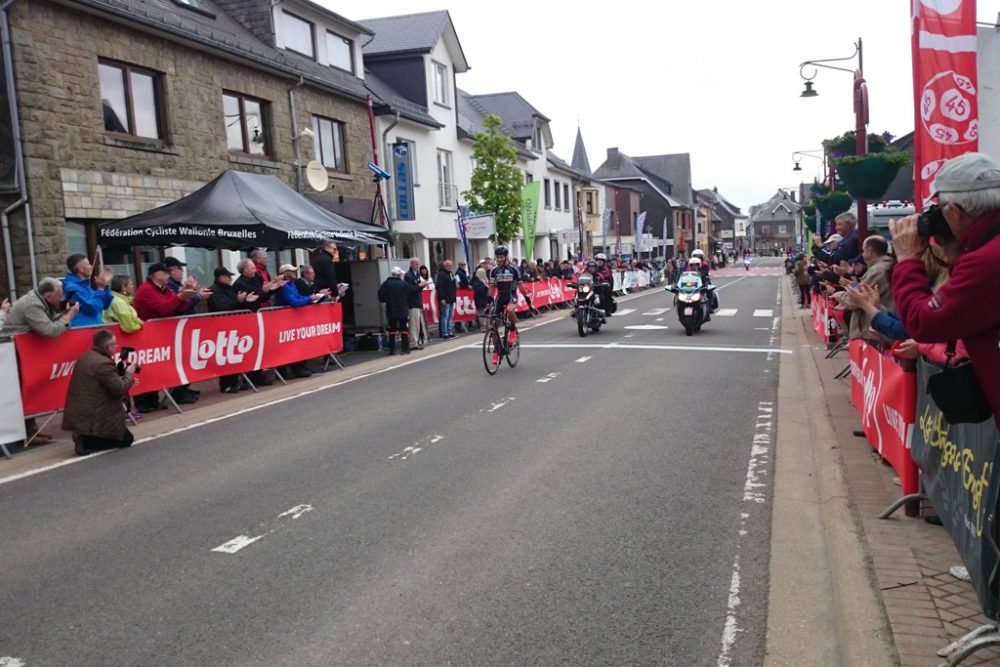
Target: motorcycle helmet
[(502, 250), (698, 253), (694, 262), (601, 256), (592, 264)]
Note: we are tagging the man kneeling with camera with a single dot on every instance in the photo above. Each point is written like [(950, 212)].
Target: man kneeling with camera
[(966, 307), (94, 410)]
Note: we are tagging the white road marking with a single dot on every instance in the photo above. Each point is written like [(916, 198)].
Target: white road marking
[(659, 319), (637, 346), (626, 311), (436, 438), (763, 312), (753, 493), (237, 543), (548, 378), (583, 360), (647, 327), (762, 329), (407, 452), (296, 511), (656, 311), (497, 406), (721, 287), (726, 312), (11, 662)]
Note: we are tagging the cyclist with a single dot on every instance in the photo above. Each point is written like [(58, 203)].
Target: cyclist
[(506, 278)]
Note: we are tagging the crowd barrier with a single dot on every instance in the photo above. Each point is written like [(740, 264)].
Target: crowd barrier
[(827, 321), (885, 397), (176, 351)]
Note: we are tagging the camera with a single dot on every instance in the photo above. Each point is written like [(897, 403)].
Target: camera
[(932, 225), (379, 172), (123, 356)]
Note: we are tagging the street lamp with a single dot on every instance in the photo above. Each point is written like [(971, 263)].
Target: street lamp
[(860, 111)]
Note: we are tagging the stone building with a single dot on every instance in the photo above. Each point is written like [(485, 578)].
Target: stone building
[(126, 105)]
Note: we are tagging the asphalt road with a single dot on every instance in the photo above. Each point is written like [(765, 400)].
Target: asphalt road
[(607, 502)]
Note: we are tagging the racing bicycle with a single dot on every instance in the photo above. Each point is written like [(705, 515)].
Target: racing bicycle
[(497, 343)]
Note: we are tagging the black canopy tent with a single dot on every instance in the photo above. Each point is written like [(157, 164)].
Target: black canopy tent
[(237, 211)]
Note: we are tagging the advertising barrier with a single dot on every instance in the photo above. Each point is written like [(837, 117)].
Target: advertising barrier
[(825, 320), (885, 397), (542, 293), (11, 414), (176, 351), (958, 463)]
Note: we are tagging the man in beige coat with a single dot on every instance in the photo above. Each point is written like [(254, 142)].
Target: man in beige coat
[(94, 411)]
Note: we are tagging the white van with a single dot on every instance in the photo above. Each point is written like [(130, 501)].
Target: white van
[(880, 214)]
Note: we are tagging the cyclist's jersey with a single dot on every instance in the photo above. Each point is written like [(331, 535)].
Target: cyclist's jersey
[(505, 278)]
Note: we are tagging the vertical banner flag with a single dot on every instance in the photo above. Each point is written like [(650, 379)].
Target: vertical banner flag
[(403, 168), (944, 87), (463, 231), (529, 216), (605, 224), (640, 227)]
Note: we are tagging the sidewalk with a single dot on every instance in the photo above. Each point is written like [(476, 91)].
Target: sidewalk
[(926, 607)]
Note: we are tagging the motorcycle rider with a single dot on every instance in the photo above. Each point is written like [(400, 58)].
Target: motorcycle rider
[(696, 265), (606, 281)]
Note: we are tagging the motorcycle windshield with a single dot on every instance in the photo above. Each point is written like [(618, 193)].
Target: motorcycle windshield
[(689, 282)]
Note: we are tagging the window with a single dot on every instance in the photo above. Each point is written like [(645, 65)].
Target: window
[(328, 140), (558, 196), (441, 84), (244, 124), (528, 177), (340, 52), (536, 139), (591, 203), (130, 98), (782, 229), (566, 202), (447, 191), (548, 193), (298, 34)]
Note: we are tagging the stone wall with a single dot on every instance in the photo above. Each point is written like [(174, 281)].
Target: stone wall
[(75, 170)]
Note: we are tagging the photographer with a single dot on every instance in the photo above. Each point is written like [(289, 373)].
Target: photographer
[(94, 412), (968, 194)]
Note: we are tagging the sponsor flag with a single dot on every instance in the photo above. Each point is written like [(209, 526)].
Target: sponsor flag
[(529, 216), (945, 87)]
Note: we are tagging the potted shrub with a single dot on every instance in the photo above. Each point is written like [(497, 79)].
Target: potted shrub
[(832, 204), (869, 176)]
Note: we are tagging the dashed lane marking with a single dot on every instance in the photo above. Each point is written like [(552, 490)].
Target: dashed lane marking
[(656, 311), (647, 327), (726, 312), (548, 378), (763, 312), (583, 360)]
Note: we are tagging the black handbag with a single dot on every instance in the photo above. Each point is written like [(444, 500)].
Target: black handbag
[(957, 392)]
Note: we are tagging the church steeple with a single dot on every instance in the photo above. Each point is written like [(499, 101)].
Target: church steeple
[(580, 160)]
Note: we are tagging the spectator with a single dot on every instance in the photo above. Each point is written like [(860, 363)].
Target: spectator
[(462, 275), (802, 280), (94, 402), (225, 298), (878, 275), (306, 283), (121, 311), (566, 270), (252, 281), (77, 287), (395, 293), (847, 249), (4, 309), (444, 285), (154, 299), (418, 328), (39, 311), (325, 265), (964, 308), (480, 291), (176, 281), (260, 262), (289, 295)]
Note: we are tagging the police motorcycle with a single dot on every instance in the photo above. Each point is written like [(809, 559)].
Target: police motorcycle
[(587, 310), (692, 301)]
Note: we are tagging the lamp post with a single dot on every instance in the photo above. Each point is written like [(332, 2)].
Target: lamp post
[(827, 167), (860, 111)]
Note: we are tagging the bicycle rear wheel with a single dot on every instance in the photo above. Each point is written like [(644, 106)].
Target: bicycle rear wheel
[(492, 348), (513, 349)]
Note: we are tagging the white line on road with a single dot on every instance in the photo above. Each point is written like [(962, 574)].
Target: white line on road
[(626, 311), (659, 319), (722, 287), (497, 406), (583, 360), (237, 543), (637, 346), (296, 511), (763, 312), (647, 327), (628, 335), (548, 378), (11, 662), (656, 311), (726, 312)]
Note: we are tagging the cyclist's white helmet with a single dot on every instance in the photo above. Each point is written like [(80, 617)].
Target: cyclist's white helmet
[(698, 253)]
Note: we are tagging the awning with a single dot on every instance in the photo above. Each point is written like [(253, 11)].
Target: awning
[(236, 211)]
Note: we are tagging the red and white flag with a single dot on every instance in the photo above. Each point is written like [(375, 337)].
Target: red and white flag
[(944, 87)]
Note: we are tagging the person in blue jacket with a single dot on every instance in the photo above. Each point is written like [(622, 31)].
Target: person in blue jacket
[(76, 289), (288, 295)]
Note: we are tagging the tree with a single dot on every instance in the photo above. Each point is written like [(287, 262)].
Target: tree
[(496, 180)]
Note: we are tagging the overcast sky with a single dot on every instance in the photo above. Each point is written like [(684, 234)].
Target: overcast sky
[(718, 79)]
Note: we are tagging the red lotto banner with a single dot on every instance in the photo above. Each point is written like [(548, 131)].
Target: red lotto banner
[(944, 87), (177, 351), (885, 397), (542, 293), (825, 320)]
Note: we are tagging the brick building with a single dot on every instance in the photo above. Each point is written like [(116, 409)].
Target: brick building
[(126, 105)]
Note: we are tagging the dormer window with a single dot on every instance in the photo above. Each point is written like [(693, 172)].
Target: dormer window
[(536, 141), (441, 90), (298, 34), (340, 52)]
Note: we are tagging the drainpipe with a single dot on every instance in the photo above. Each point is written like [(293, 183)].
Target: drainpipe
[(22, 186), (385, 142), (295, 135)]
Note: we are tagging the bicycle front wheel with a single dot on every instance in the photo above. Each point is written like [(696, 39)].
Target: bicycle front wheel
[(514, 349), (492, 348)]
